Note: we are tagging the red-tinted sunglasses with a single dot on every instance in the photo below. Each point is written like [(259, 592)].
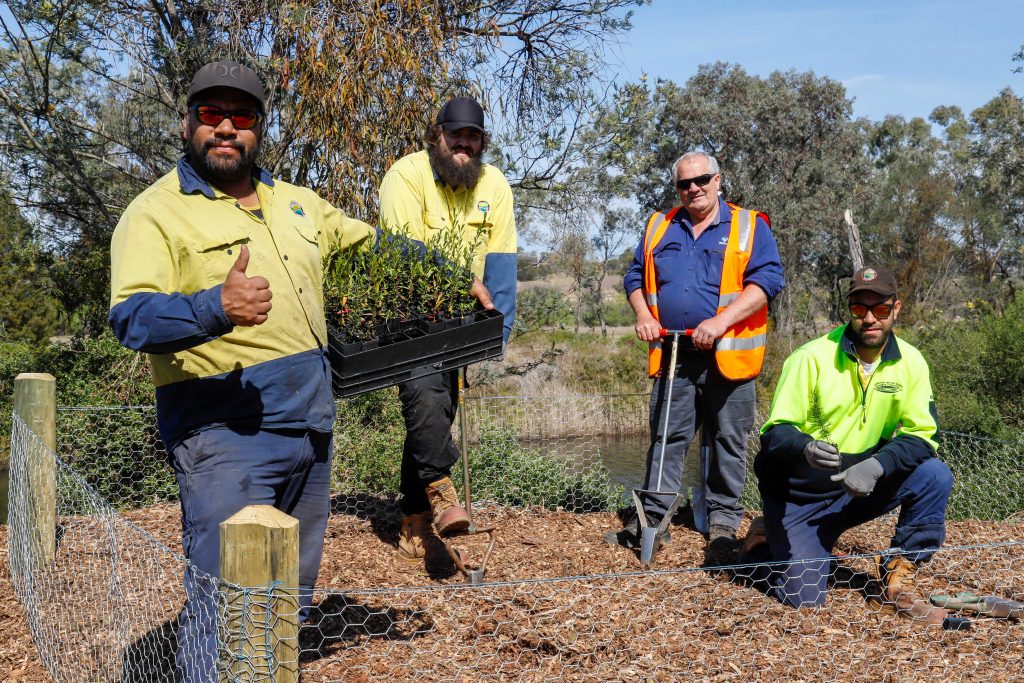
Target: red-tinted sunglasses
[(242, 119), (880, 311)]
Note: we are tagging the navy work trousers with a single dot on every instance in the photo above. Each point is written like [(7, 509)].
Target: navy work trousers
[(803, 534), (429, 403), (219, 472), (724, 410)]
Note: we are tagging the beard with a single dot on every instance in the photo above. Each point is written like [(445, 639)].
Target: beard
[(467, 175), (215, 170)]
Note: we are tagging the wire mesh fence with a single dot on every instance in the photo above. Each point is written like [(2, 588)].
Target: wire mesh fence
[(558, 603)]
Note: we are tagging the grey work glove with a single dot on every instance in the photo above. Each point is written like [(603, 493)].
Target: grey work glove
[(821, 455), (860, 479)]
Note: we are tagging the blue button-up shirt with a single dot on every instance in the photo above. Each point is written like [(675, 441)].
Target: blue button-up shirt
[(689, 269)]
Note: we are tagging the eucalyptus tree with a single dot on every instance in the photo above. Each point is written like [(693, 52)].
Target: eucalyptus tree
[(92, 94)]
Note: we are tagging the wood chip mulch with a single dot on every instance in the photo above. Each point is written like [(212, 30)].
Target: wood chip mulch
[(535, 619)]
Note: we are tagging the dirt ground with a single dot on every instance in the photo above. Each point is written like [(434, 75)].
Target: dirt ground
[(688, 619)]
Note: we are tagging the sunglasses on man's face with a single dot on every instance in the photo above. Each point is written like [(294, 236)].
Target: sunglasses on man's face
[(241, 119), (880, 311), (701, 180)]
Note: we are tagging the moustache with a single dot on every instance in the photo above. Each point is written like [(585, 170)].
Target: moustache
[(210, 144)]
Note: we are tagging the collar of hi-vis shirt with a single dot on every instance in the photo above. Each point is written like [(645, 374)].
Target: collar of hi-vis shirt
[(191, 181), (682, 217)]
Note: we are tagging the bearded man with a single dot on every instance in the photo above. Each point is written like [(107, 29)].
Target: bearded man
[(446, 188), (243, 392)]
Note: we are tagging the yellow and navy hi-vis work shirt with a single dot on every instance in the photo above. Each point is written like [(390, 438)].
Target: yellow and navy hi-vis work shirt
[(414, 200), (170, 254), (890, 417)]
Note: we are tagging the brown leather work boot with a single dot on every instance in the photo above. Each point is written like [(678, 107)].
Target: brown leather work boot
[(896, 576), (414, 537), (449, 516), (756, 535)]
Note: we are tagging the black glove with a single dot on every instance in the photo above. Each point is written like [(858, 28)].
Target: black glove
[(860, 479), (821, 455)]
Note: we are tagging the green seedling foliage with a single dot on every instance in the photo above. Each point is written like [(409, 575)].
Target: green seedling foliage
[(365, 290), (816, 416)]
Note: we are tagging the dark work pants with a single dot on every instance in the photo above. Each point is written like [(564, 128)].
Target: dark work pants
[(429, 403), (724, 409), (221, 471), (808, 531)]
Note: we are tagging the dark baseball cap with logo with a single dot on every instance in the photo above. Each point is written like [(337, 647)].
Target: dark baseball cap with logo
[(227, 75), (877, 279), (461, 112)]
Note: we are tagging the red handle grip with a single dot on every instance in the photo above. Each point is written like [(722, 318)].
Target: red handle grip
[(684, 333)]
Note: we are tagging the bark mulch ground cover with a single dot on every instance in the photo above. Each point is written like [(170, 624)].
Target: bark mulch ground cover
[(560, 605)]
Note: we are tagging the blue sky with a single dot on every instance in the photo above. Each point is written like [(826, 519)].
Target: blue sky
[(898, 57)]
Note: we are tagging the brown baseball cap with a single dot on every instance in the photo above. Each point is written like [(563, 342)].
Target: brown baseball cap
[(877, 279), (227, 75)]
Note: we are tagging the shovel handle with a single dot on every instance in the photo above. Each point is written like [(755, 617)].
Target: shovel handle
[(688, 332)]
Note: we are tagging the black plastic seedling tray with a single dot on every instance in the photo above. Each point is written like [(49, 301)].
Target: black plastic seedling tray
[(359, 367)]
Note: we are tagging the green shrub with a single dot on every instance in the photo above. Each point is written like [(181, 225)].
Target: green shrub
[(368, 446), (368, 438), (505, 471)]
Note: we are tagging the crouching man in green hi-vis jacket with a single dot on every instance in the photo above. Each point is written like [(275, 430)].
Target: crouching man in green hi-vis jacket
[(851, 436)]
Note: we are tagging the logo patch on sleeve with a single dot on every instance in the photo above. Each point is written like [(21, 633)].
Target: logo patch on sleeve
[(889, 387)]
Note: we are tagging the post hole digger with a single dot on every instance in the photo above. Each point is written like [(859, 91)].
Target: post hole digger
[(650, 534), (474, 576)]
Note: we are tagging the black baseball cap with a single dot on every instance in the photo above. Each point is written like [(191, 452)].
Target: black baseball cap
[(461, 112), (227, 75), (877, 279)]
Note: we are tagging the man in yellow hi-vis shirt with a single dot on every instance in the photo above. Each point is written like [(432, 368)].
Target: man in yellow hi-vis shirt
[(447, 187), (243, 386)]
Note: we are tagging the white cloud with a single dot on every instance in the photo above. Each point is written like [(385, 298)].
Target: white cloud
[(861, 80)]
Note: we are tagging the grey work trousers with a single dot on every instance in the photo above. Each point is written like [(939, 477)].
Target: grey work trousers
[(724, 409)]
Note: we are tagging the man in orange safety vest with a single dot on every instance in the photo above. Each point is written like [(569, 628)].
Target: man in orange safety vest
[(711, 267)]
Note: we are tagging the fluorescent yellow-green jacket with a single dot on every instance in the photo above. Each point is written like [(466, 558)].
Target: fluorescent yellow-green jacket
[(414, 200), (893, 420), (170, 254)]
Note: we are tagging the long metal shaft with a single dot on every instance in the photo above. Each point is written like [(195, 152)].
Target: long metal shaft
[(464, 439), (666, 406)]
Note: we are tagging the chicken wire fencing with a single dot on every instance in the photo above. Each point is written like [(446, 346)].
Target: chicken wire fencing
[(557, 603)]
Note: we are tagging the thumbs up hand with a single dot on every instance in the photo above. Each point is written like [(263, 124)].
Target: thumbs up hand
[(246, 300)]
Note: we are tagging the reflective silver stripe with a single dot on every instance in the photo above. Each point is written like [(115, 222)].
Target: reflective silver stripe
[(741, 343), (746, 220), (652, 299), (652, 227), (726, 299)]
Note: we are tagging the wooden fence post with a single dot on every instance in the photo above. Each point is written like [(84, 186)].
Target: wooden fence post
[(35, 402), (259, 549)]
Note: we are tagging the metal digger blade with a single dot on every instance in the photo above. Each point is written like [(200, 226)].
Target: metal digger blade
[(474, 576), (649, 534)]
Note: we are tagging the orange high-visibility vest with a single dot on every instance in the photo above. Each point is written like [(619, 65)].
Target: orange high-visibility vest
[(739, 353)]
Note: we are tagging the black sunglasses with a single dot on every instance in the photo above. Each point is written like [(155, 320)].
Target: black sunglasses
[(242, 119), (880, 311), (701, 180)]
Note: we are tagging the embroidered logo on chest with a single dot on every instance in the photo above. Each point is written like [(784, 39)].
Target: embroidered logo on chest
[(889, 387), (296, 208)]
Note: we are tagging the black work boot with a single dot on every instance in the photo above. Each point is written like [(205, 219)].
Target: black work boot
[(629, 536), (722, 543)]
